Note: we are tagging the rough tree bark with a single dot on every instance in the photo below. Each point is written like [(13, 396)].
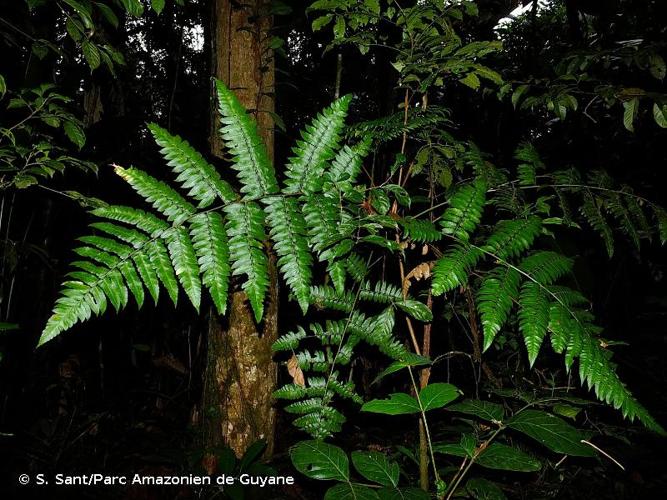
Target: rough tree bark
[(240, 375)]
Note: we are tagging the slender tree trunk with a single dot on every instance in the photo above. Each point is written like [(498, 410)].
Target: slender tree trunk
[(240, 376)]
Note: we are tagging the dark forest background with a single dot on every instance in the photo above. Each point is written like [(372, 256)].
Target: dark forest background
[(118, 394)]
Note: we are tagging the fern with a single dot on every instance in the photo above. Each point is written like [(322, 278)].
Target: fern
[(513, 237), (453, 268), (465, 210), (210, 244), (593, 215), (194, 172), (545, 267), (420, 230), (183, 245), (318, 143), (533, 317), (245, 228), (163, 198), (185, 242), (495, 299), (288, 231)]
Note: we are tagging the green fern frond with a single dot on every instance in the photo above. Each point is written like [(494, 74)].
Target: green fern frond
[(131, 236), (159, 258), (337, 271), (356, 267), (545, 267), (147, 273), (249, 156), (321, 424), (163, 198), (289, 341), (533, 317), (184, 262), (566, 296), (145, 221), (394, 126), (317, 146), (325, 297), (531, 162), (209, 240), (322, 214), (526, 175), (453, 268), (513, 237), (78, 301), (288, 232), (245, 229), (305, 406), (193, 172), (465, 210), (617, 206), (346, 165), (661, 219), (127, 270), (593, 215), (494, 300), (420, 230), (381, 293), (291, 392)]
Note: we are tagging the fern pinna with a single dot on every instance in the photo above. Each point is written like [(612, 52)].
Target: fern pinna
[(324, 219)]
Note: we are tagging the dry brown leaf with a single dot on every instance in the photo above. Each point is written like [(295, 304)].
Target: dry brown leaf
[(418, 273), (295, 371)]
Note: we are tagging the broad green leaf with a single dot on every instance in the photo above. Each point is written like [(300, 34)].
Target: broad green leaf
[(413, 360), (348, 491), (319, 460), (108, 14), (468, 443), (503, 457), (568, 411), (483, 489), (629, 113), (416, 309), (657, 66), (552, 432), (471, 80), (437, 395), (660, 115), (91, 53), (339, 27), (483, 409), (495, 456), (375, 467), (321, 22), (157, 5), (133, 7), (397, 404), (74, 133)]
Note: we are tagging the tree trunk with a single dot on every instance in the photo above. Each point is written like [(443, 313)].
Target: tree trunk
[(240, 375)]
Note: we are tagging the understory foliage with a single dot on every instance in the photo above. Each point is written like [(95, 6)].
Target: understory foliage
[(203, 238), (488, 237), (368, 257)]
